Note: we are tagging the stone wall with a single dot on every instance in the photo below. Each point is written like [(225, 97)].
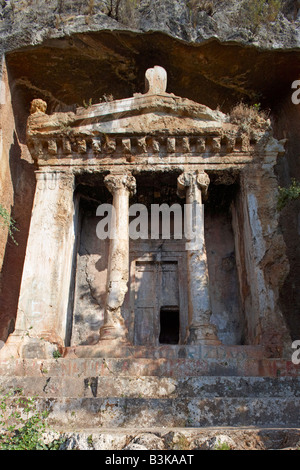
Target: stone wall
[(17, 186), (6, 136)]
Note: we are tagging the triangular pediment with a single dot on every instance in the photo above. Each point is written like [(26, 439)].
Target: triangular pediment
[(152, 128), (148, 114)]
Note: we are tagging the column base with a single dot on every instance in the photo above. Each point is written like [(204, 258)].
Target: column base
[(203, 334), (20, 345), (110, 333)]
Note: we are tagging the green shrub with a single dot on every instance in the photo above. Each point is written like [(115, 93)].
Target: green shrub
[(222, 446), (7, 221), (56, 354), (288, 194), (249, 118), (22, 424)]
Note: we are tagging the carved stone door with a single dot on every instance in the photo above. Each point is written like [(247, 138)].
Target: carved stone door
[(157, 303), (146, 302)]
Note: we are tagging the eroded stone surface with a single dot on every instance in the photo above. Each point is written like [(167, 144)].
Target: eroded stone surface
[(177, 439)]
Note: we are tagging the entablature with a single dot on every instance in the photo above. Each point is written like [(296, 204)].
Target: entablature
[(152, 129)]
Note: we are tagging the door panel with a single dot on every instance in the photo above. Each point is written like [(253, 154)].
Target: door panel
[(145, 303), (169, 295), (156, 287)]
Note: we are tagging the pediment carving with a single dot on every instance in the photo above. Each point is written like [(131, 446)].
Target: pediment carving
[(152, 128)]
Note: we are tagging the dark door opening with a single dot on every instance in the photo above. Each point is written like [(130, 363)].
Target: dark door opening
[(169, 325)]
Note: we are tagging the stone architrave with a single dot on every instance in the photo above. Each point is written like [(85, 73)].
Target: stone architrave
[(42, 322), (122, 187), (193, 186)]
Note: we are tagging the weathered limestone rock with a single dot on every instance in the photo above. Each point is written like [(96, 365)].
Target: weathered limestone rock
[(94, 441), (196, 22), (148, 441), (17, 184), (210, 439), (264, 279)]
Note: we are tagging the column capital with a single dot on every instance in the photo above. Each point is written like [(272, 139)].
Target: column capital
[(188, 179), (120, 181), (53, 179)]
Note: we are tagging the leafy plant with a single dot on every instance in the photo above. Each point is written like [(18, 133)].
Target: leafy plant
[(86, 105), (22, 424), (90, 440), (288, 194), (7, 221), (257, 106), (249, 117), (222, 446), (56, 354)]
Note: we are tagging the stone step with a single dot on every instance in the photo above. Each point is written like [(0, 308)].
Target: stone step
[(204, 351), (141, 413), (152, 387), (146, 367), (205, 438)]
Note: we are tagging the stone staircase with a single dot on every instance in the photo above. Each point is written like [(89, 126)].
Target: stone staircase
[(163, 391)]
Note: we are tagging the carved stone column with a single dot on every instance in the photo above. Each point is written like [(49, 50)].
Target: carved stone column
[(122, 187), (42, 315), (193, 186)]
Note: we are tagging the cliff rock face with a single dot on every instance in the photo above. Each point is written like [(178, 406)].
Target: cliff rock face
[(26, 22), (74, 53)]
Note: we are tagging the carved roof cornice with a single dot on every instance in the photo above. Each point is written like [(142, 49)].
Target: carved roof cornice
[(154, 128)]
